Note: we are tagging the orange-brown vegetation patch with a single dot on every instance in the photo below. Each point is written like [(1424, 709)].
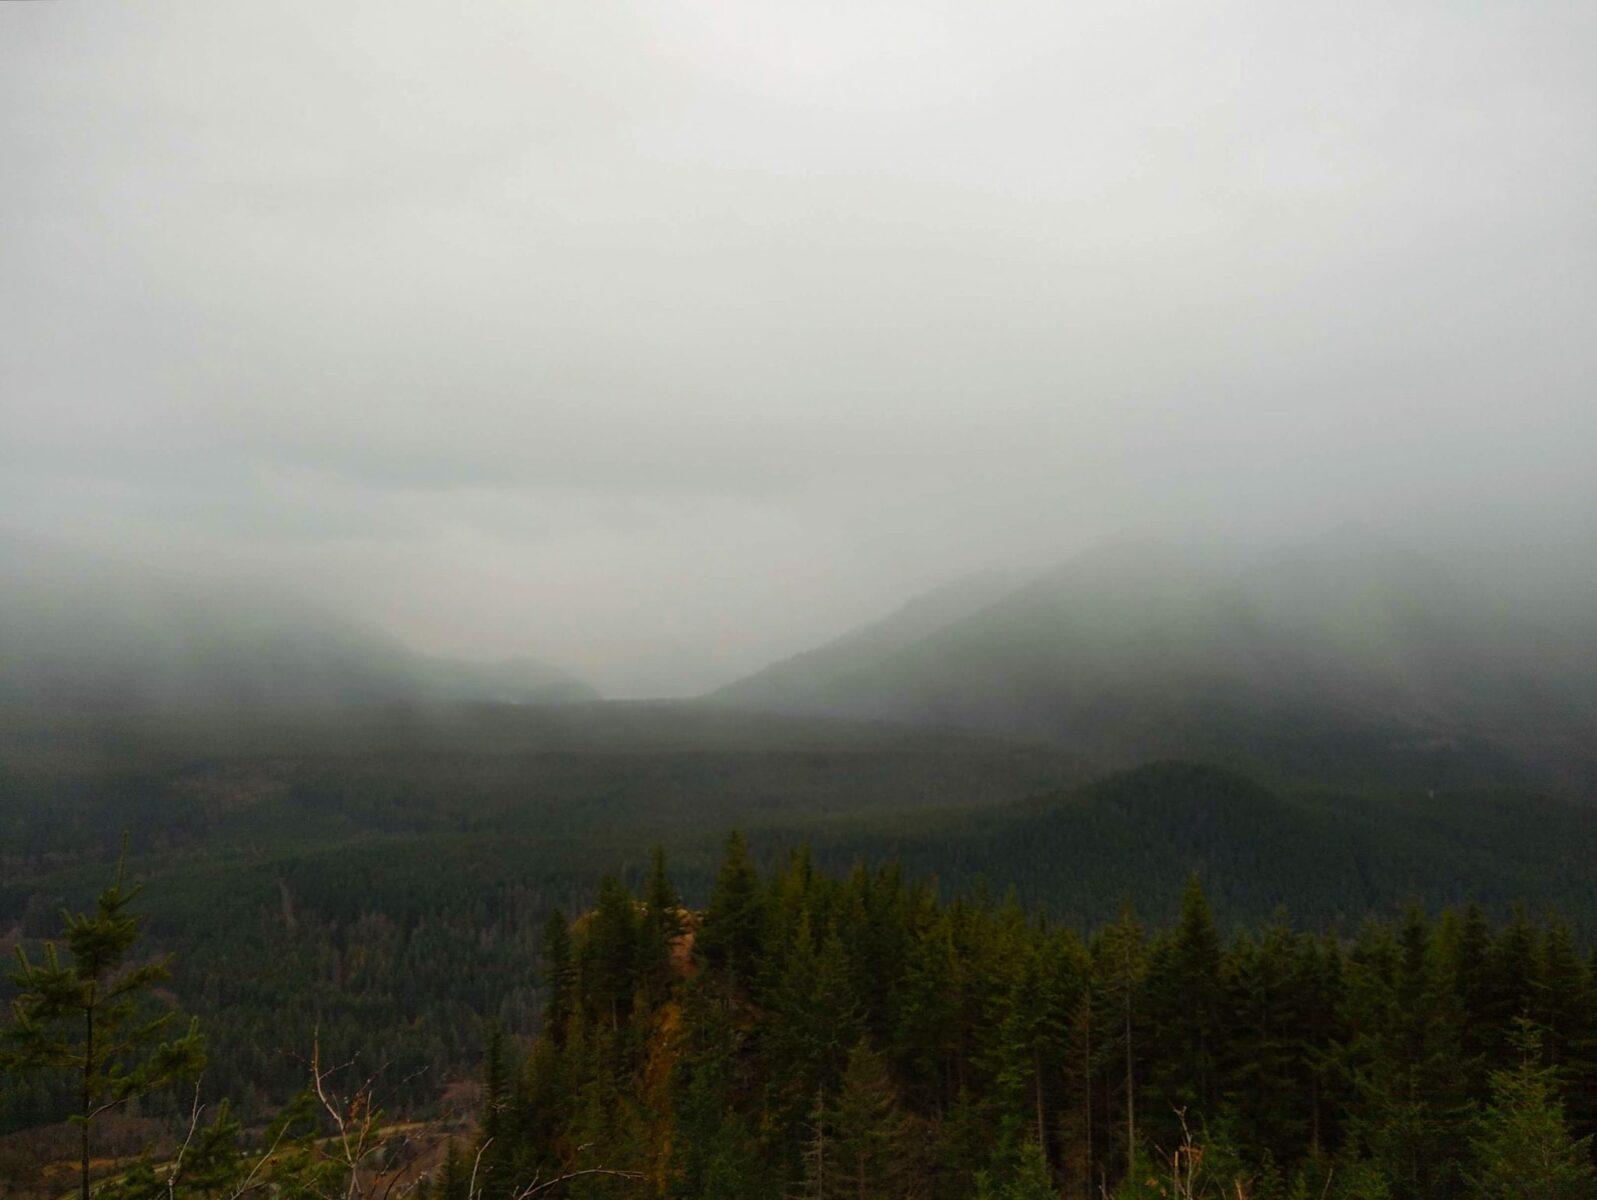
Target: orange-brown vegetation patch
[(682, 947)]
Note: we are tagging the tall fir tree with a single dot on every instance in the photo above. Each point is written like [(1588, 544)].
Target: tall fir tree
[(1523, 1149), (1186, 1003), (874, 1156), (1120, 965), (90, 1014), (608, 961), (560, 977), (731, 935)]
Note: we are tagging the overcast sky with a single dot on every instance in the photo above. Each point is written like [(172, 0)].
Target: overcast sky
[(663, 339)]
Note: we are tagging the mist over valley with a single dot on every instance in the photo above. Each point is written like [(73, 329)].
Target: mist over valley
[(875, 601)]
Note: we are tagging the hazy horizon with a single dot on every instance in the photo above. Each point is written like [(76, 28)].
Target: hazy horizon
[(662, 342)]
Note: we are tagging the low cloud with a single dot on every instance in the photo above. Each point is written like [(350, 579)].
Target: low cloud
[(665, 340)]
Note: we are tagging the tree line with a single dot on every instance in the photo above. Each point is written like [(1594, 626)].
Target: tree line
[(816, 1036), (822, 1036)]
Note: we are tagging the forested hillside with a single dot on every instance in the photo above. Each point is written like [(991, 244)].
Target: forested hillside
[(385, 876), (1346, 658), (823, 1035), (1330, 855)]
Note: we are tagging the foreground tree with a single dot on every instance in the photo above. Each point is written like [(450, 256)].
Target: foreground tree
[(90, 1015), (869, 1154), (730, 936), (1524, 1150)]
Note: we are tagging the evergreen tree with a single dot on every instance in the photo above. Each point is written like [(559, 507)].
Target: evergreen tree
[(209, 1164), (1034, 1039), (731, 935), (1561, 995), (1358, 1179), (960, 1146), (1416, 1114), (1120, 965), (1186, 1003), (815, 1020), (495, 1124), (609, 955), (1470, 965), (1323, 984), (1277, 1004), (873, 1157), (539, 1111), (1524, 1150), (89, 1015), (733, 1170), (1510, 986), (662, 903), (454, 1180), (923, 1043), (819, 1156), (559, 977), (662, 925), (1031, 1179)]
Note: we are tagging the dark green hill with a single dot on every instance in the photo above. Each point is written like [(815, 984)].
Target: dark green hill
[(870, 647), (1140, 834)]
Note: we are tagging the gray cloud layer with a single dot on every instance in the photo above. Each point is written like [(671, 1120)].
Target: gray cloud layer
[(664, 339)]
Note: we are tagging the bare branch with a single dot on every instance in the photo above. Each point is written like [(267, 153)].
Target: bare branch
[(176, 1168), (393, 1178), (264, 1157), (536, 1188), (471, 1188)]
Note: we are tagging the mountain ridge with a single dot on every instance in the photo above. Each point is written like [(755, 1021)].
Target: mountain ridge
[(80, 632), (1347, 646)]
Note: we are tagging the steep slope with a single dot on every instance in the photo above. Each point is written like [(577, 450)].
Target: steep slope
[(1346, 657), (817, 671), (85, 633)]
